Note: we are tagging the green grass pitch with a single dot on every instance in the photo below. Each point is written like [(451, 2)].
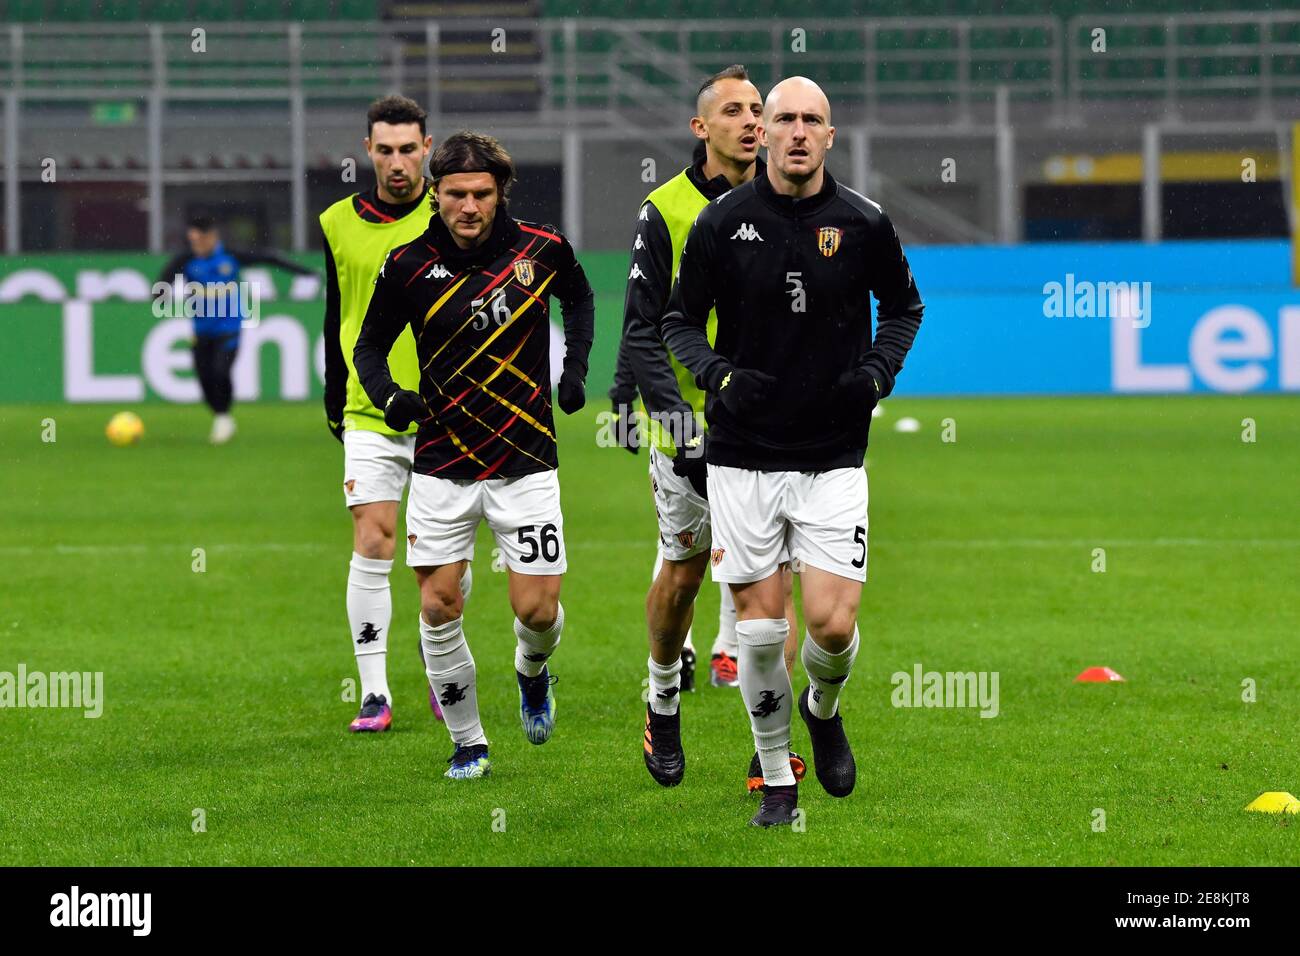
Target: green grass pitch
[(223, 688)]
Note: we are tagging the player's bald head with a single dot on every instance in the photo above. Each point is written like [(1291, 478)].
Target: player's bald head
[(797, 94)]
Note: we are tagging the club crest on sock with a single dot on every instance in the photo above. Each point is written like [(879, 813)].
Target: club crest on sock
[(452, 693), (768, 704)]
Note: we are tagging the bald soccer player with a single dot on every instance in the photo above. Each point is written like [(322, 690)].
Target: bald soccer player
[(790, 262), (728, 107)]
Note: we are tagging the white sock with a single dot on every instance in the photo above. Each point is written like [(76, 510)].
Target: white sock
[(532, 648), (765, 688), (725, 642), (827, 673), (450, 668), (370, 612), (659, 563), (466, 582), (665, 686)]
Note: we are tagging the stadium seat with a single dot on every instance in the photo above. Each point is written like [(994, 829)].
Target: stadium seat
[(308, 10), (121, 11), (358, 10), (166, 11), (71, 11), (650, 10), (213, 11), (26, 11)]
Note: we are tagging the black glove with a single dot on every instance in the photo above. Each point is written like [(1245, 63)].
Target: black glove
[(404, 407), (628, 435), (744, 388), (573, 392), (858, 388), (336, 429), (689, 463)]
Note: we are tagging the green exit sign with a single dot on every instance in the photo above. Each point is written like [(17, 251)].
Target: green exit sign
[(109, 114)]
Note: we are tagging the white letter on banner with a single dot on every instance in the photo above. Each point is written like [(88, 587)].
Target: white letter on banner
[(80, 383), (1128, 374)]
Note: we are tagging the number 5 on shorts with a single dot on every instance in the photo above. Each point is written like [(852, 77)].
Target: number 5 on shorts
[(860, 538)]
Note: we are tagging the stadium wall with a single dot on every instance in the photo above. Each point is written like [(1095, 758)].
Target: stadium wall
[(1036, 319)]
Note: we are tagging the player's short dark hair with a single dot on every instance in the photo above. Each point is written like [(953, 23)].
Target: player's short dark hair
[(202, 222), (469, 152), (736, 71), (394, 110)]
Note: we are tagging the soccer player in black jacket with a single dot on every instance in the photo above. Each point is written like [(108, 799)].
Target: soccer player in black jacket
[(790, 262), (474, 290), (728, 107)]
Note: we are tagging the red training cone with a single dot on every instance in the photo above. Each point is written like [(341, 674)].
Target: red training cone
[(1097, 675)]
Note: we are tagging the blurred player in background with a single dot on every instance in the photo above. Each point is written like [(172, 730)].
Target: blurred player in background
[(357, 234), (219, 313), (474, 289), (728, 107), (791, 260)]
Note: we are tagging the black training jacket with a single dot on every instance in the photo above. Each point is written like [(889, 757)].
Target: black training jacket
[(792, 282)]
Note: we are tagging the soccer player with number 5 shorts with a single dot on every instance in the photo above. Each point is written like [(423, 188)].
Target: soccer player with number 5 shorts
[(473, 289), (728, 106), (790, 262)]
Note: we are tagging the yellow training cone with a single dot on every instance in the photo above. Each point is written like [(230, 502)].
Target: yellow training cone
[(1275, 801)]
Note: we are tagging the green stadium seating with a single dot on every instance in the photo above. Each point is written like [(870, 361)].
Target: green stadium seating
[(308, 10), (31, 11), (358, 9), (121, 11), (264, 10), (26, 11), (72, 11), (213, 11), (1211, 55), (166, 11)]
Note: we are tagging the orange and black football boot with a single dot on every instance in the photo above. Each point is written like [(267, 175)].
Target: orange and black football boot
[(663, 747)]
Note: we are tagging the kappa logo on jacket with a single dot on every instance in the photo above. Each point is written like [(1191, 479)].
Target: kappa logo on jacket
[(438, 272), (747, 232)]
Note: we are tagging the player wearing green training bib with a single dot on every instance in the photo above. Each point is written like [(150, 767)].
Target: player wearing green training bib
[(728, 108), (358, 233)]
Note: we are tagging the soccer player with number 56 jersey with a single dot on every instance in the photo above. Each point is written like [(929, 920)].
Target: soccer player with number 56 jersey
[(473, 290)]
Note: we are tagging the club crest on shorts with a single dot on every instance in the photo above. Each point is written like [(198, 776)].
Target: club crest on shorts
[(410, 539), (524, 271), (717, 555), (686, 539), (828, 240), (350, 484)]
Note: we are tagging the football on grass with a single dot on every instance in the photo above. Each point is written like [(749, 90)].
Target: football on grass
[(124, 428)]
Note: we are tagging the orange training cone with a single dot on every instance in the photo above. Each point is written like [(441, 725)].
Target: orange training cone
[(1097, 675)]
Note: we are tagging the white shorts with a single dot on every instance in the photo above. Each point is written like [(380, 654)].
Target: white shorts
[(376, 467), (684, 525), (821, 517), (443, 514)]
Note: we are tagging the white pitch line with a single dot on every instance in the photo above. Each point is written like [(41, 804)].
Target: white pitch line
[(156, 548), (1097, 542), (982, 543)]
